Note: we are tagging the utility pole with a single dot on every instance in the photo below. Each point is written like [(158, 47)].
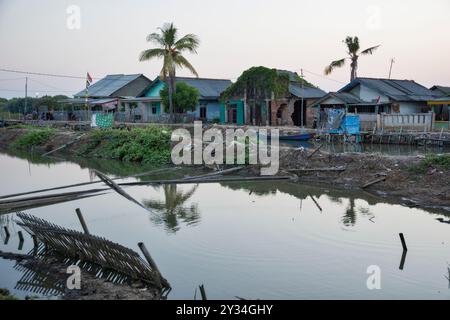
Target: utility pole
[(301, 112), (26, 97), (390, 69)]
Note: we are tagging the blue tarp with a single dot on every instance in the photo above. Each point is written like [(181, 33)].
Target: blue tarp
[(339, 123)]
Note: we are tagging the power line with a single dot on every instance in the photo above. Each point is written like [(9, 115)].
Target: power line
[(43, 91), (324, 77), (46, 85), (12, 79), (43, 74)]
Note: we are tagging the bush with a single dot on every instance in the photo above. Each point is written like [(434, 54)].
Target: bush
[(35, 137), (150, 145)]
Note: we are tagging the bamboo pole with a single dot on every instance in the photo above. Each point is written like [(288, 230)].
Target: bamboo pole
[(83, 223), (237, 179)]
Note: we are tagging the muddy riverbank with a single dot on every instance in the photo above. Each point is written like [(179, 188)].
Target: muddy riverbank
[(415, 180)]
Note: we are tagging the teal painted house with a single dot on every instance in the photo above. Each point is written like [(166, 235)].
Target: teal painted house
[(233, 112), (209, 108)]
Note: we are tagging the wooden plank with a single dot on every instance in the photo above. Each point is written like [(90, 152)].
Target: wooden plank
[(371, 183), (118, 189)]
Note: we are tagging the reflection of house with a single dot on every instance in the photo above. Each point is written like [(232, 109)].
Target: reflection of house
[(280, 111), (208, 108), (369, 97)]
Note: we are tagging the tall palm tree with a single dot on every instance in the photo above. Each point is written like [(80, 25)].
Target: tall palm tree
[(353, 55), (172, 209), (171, 49)]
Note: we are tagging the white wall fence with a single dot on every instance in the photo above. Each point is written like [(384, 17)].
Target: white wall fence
[(395, 121)]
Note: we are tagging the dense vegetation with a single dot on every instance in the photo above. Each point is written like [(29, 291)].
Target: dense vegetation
[(33, 138), (150, 145), (184, 99), (17, 105)]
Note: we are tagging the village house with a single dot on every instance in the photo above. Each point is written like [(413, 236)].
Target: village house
[(282, 111), (369, 97), (105, 95), (207, 110), (441, 107)]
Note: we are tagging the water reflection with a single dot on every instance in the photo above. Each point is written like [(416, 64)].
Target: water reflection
[(388, 149), (173, 210)]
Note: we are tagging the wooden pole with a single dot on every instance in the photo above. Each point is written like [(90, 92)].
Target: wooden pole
[(35, 245), (151, 262), (203, 292), (7, 235), (402, 239), (83, 223), (402, 262), (21, 240), (6, 231)]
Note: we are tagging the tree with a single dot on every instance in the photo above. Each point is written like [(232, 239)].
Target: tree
[(184, 99), (353, 55), (170, 50), (3, 103), (173, 208)]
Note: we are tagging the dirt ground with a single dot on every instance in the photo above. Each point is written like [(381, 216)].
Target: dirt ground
[(428, 189)]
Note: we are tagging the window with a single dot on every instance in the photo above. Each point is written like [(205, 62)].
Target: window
[(154, 110)]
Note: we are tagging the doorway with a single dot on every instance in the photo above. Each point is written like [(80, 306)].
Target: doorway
[(299, 115)]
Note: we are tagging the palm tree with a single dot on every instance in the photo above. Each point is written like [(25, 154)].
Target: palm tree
[(171, 49), (353, 55), (172, 209)]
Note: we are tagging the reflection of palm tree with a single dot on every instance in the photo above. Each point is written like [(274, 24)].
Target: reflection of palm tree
[(172, 209), (349, 218)]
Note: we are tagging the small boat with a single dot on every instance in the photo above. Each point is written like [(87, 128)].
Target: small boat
[(299, 137)]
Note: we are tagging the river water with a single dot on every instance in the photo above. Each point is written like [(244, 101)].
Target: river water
[(251, 240)]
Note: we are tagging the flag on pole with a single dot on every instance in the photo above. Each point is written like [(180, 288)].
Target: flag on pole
[(89, 78)]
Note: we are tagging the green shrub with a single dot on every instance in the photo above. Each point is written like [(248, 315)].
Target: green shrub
[(35, 137), (150, 145)]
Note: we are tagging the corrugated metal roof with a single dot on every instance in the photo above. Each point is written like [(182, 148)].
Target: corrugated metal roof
[(108, 85), (397, 90), (346, 98), (306, 92), (441, 90), (208, 88), (91, 102)]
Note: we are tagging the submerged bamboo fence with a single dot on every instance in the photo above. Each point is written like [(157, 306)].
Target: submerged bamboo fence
[(92, 249)]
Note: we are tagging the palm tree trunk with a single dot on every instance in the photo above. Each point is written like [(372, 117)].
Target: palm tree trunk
[(354, 67), (169, 86), (174, 89)]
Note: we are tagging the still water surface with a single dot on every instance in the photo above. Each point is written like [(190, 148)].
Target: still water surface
[(252, 240)]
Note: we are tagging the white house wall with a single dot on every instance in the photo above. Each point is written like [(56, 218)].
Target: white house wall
[(369, 95)]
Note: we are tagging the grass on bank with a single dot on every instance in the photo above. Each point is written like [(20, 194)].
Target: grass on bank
[(33, 138), (432, 160), (150, 145)]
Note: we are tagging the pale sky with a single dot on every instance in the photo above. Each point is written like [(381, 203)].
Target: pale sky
[(235, 35)]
